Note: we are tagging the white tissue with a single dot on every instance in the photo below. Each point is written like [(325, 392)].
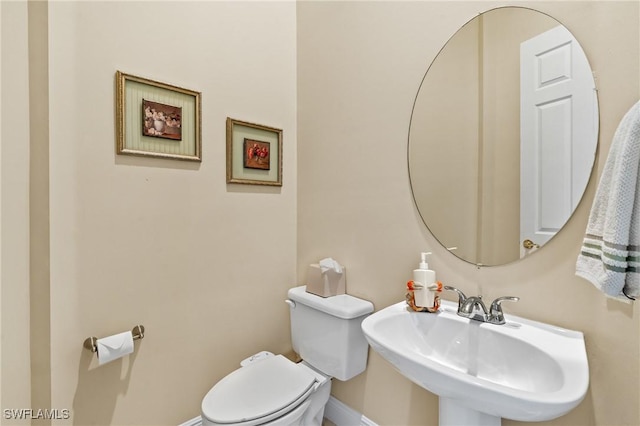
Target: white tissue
[(114, 347), (329, 264)]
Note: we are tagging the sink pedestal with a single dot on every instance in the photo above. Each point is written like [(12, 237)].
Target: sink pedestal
[(453, 413)]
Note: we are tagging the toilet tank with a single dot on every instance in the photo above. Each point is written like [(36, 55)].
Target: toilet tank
[(327, 333)]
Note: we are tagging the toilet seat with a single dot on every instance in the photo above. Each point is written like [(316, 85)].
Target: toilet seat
[(258, 393)]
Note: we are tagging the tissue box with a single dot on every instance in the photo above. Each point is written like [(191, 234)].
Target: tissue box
[(328, 284)]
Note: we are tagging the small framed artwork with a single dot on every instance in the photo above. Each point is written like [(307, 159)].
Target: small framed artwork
[(254, 153), (157, 119)]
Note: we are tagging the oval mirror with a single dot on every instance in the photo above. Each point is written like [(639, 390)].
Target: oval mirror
[(503, 135)]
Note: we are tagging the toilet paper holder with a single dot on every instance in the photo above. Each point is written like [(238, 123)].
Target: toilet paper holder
[(90, 342)]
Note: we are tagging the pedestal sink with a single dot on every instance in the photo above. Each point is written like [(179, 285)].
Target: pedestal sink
[(523, 370)]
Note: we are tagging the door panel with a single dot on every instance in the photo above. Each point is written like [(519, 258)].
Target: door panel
[(557, 116)]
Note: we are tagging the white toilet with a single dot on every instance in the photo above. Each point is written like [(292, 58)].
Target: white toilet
[(272, 390)]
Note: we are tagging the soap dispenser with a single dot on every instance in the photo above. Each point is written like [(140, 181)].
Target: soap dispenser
[(425, 281)]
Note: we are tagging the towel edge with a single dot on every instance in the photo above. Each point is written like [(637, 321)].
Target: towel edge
[(620, 297)]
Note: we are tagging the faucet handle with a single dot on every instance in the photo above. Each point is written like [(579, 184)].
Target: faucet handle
[(496, 308), (461, 296)]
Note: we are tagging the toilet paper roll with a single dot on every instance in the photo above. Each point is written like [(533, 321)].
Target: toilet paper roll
[(114, 347)]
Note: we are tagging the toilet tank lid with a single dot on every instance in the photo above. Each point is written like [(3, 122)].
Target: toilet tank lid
[(342, 306)]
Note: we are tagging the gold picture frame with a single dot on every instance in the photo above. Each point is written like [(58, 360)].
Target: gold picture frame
[(157, 119), (254, 153)]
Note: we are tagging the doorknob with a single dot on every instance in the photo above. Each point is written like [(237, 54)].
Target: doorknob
[(528, 244)]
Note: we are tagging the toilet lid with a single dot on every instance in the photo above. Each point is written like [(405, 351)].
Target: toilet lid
[(268, 388)]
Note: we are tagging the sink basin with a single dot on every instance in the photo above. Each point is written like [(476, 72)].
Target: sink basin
[(523, 370)]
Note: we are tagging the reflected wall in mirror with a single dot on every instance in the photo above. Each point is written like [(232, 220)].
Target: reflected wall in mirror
[(503, 135)]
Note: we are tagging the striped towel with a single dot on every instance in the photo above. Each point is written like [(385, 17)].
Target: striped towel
[(610, 255)]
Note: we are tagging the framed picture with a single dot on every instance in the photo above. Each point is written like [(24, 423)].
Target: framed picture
[(157, 119), (254, 153)]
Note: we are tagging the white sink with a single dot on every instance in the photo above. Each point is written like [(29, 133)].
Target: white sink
[(523, 370)]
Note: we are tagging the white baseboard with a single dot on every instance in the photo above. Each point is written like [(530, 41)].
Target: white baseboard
[(342, 415), (196, 421)]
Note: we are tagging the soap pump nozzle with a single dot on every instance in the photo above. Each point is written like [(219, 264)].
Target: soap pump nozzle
[(423, 263)]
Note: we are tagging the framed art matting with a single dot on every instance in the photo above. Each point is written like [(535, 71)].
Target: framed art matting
[(254, 153), (157, 119)]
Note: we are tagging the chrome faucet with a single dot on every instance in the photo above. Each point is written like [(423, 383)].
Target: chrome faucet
[(474, 308), (496, 314)]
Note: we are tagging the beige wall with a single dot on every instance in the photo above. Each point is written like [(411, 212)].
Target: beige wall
[(359, 67), (444, 157), (203, 265), (15, 372)]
